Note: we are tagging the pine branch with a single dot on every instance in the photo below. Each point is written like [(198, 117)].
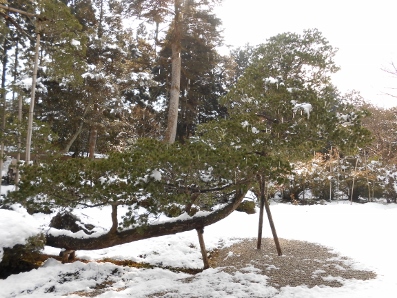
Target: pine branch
[(19, 28)]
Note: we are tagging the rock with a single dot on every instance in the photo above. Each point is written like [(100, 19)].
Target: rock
[(68, 221)]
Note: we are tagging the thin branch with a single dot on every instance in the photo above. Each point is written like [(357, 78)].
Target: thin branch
[(268, 118), (19, 11), (206, 190)]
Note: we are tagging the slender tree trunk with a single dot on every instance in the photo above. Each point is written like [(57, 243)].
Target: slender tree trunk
[(367, 177), (32, 97), (77, 133), (172, 120), (19, 145), (115, 222), (73, 138), (352, 191), (100, 27), (92, 141), (3, 103), (200, 233), (338, 174)]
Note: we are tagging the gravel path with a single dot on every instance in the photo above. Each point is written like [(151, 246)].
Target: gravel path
[(302, 263)]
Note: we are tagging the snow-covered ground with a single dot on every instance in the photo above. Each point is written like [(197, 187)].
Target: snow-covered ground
[(363, 232)]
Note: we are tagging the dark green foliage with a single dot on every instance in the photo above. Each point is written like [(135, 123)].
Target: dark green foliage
[(286, 95), (43, 139), (112, 65), (151, 176), (247, 207), (63, 40), (242, 57), (174, 210)]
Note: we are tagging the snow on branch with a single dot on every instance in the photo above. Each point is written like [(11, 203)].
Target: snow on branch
[(305, 107)]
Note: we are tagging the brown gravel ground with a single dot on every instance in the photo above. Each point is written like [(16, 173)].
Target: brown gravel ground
[(302, 263)]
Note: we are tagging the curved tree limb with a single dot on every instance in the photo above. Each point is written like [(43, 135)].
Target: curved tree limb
[(18, 11), (113, 237)]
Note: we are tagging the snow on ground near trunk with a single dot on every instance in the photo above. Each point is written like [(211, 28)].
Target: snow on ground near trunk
[(364, 233)]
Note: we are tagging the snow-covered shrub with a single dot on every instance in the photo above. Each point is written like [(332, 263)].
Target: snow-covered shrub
[(21, 257)]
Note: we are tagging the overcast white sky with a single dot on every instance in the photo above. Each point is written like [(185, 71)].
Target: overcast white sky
[(365, 32)]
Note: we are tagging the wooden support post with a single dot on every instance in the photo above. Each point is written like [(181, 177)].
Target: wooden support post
[(67, 255), (261, 208), (264, 204), (273, 228), (200, 233)]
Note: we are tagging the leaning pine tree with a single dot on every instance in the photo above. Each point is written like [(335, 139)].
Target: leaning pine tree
[(159, 188)]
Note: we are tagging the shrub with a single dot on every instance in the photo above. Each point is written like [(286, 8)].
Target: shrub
[(22, 258), (247, 207)]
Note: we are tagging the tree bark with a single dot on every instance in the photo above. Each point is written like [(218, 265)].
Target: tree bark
[(113, 238), (115, 222), (32, 97), (77, 133), (3, 103), (92, 141), (352, 191), (19, 146), (176, 65)]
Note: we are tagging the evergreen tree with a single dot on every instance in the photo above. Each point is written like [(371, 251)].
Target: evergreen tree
[(158, 12), (46, 19), (287, 90), (242, 56), (201, 81), (103, 106)]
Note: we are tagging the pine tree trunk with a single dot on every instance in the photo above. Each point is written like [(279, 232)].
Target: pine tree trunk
[(172, 120), (3, 105), (77, 133), (92, 141), (73, 138), (352, 190), (115, 222), (116, 238), (32, 97), (19, 120), (19, 146)]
